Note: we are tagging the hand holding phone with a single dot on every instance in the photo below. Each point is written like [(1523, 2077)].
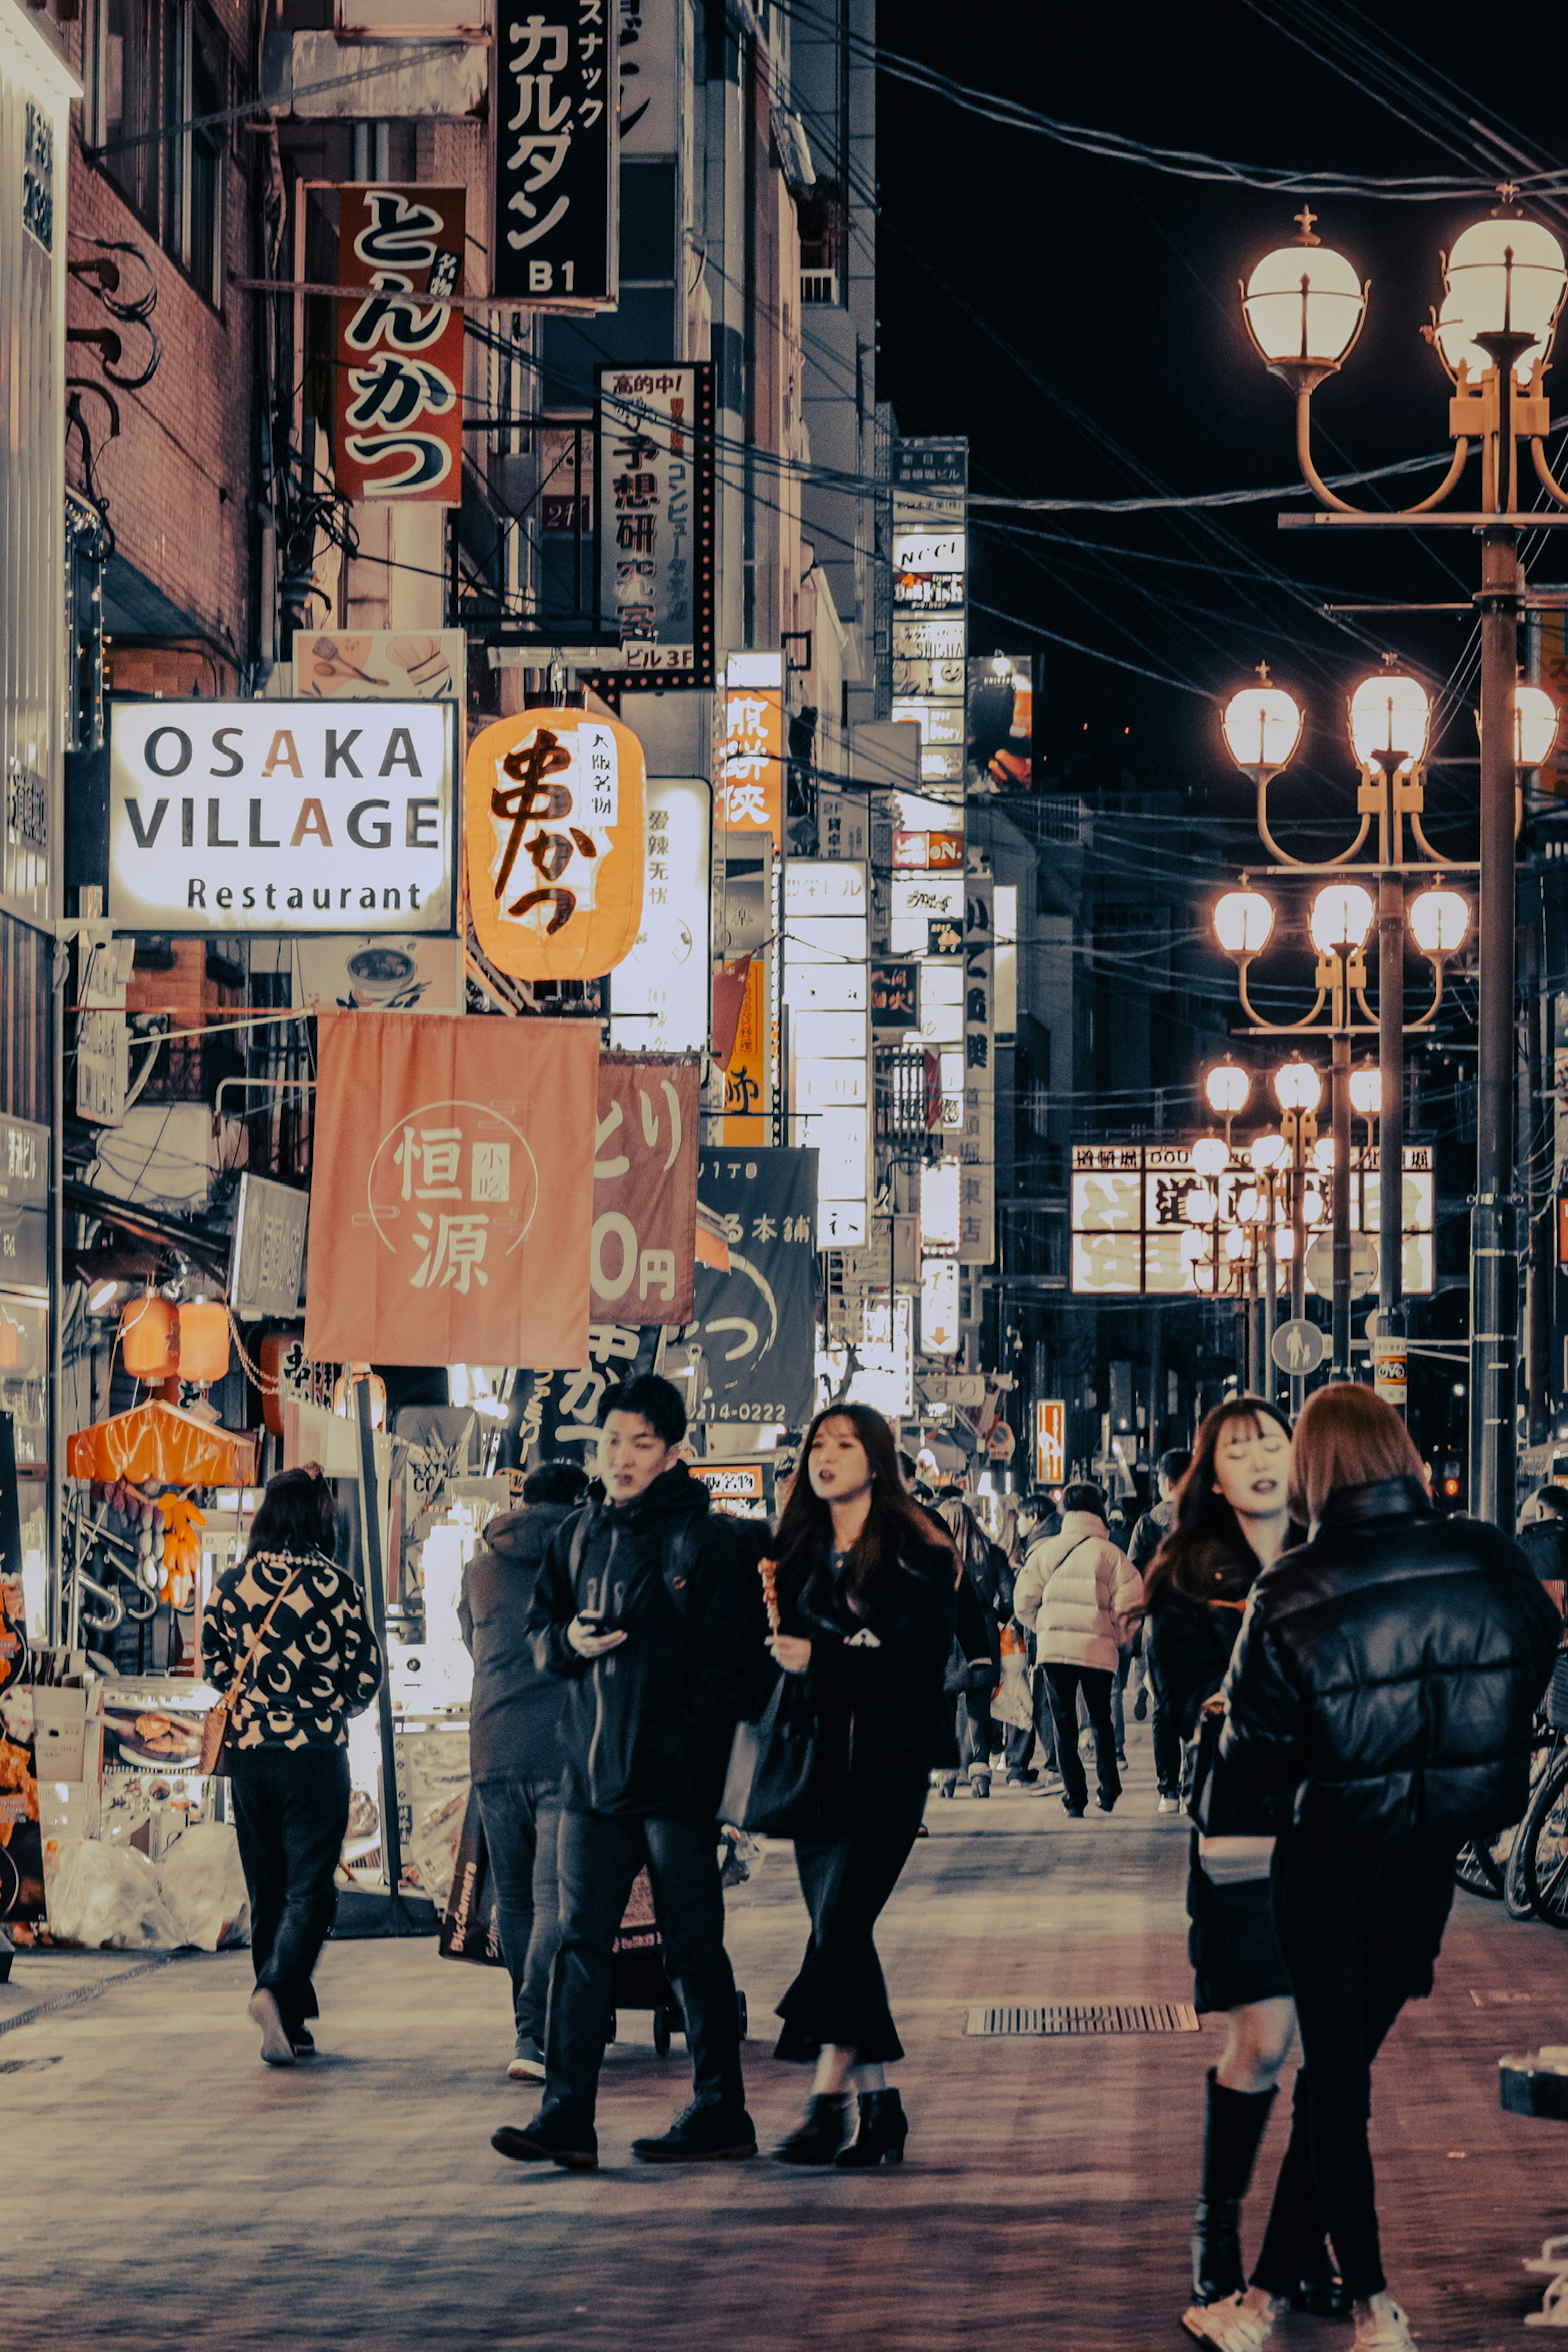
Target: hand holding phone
[(588, 1636)]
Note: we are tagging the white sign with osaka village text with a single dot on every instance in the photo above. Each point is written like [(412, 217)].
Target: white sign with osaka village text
[(281, 816)]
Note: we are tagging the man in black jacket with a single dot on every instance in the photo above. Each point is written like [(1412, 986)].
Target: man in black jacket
[(514, 1743), (649, 1609), (1380, 1702)]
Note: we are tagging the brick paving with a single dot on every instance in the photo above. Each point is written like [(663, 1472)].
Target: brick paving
[(161, 2189)]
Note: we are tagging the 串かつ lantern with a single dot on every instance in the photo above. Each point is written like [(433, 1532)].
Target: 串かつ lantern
[(149, 1338), (554, 841)]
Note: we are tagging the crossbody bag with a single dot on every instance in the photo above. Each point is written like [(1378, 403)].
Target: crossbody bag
[(218, 1722)]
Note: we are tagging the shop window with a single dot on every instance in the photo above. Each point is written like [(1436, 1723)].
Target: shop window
[(155, 69), (125, 117), (197, 73)]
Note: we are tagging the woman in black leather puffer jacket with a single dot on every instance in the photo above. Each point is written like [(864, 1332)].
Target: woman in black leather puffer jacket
[(1384, 1690)]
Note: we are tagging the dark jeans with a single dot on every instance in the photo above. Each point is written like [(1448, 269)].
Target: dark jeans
[(1360, 1933), (599, 1856), (291, 1816), (973, 1709), (1165, 1733), (522, 1821), (1064, 1684)]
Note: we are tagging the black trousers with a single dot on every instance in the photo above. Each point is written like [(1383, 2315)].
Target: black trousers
[(1165, 1734), (291, 1816), (523, 1819), (598, 1856), (1063, 1685), (1360, 1933), (846, 1874)]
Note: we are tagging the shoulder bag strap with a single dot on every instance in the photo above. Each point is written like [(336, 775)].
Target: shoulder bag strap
[(232, 1695)]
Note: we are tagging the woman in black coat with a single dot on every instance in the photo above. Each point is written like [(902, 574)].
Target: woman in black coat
[(1231, 1521), (866, 1589)]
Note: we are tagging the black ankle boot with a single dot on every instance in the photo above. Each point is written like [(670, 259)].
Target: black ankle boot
[(880, 2135), (818, 2139), (1233, 2128)]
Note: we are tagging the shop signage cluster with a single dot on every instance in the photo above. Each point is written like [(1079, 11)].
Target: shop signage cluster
[(398, 410), (281, 816), (555, 164), (930, 563), (977, 1144), (656, 521), (826, 991)]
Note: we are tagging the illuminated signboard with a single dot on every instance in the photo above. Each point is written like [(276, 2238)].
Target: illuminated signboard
[(931, 566)]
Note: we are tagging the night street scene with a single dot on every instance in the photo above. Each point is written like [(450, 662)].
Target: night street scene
[(783, 1177)]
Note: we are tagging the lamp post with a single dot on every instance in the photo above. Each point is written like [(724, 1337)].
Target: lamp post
[(1504, 281)]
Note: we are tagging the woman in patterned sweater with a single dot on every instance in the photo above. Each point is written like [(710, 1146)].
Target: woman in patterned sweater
[(317, 1662)]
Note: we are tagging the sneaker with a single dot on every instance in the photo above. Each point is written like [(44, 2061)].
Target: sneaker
[(304, 2040), (1103, 1803), (1140, 1706), (1168, 1804), (1073, 1812), (702, 2133), (1234, 2325), (527, 2062), (550, 2138), (979, 1784), (1383, 2327)]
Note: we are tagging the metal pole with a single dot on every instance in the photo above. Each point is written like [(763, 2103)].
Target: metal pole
[(1340, 1102), (375, 1593), (1391, 1103), (1298, 1244), (1271, 1290), (1494, 1256)]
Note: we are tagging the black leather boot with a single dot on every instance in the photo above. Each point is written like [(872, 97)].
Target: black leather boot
[(1233, 2128), (818, 2139), (880, 2135)]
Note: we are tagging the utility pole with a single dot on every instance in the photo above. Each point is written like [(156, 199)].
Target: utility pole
[(1494, 1255)]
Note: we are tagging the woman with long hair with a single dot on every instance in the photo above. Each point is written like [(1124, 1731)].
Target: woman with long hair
[(1231, 1521), (867, 1588), (286, 1633)]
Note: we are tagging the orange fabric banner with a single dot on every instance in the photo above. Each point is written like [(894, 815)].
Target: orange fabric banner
[(156, 1441), (453, 1193)]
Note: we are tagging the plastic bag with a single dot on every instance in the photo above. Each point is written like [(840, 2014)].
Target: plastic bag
[(107, 1896), (202, 1883)]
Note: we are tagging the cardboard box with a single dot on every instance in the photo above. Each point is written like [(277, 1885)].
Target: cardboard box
[(68, 1734)]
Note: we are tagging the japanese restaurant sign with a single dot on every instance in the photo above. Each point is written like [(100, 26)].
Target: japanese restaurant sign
[(555, 843), (751, 785), (452, 1200), (656, 521), (398, 413), (643, 1247), (281, 816), (756, 1323), (555, 174), (977, 1144)]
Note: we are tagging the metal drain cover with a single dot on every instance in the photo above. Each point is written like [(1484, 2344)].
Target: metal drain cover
[(1087, 2017)]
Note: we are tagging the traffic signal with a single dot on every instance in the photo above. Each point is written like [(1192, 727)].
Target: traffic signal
[(1449, 1483)]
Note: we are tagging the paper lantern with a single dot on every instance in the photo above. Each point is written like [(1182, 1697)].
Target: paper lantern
[(149, 1338), (276, 1348), (345, 1404), (555, 845), (203, 1339)]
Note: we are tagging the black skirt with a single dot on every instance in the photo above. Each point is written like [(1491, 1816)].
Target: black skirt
[(847, 1871), (1231, 1943)]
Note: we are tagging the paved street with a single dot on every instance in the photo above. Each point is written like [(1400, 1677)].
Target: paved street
[(163, 2188)]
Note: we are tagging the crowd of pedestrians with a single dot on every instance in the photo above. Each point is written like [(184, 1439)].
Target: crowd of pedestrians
[(1343, 1686)]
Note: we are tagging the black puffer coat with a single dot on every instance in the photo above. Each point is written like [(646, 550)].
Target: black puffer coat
[(1385, 1681)]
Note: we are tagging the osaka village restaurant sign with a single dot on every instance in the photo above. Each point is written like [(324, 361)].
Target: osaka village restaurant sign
[(281, 816)]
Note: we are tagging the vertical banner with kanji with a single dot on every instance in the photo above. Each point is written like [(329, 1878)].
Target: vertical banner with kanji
[(977, 1145), (452, 1196), (656, 521), (398, 414), (751, 788), (756, 1323), (555, 174), (643, 1250)]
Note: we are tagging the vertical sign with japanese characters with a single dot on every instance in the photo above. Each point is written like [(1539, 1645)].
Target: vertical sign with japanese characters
[(644, 1243), (656, 521), (555, 176), (977, 1143), (756, 1325), (751, 788), (452, 1195), (398, 415)]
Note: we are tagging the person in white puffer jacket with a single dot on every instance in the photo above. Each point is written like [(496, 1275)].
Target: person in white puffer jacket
[(1074, 1593)]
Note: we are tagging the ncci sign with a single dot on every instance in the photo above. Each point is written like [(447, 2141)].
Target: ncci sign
[(281, 816)]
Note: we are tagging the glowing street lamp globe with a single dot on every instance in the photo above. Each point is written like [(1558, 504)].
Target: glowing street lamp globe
[(1268, 1151), (1535, 722), (1323, 1154), (1366, 1090), (1503, 277), (1342, 915), (1249, 1207), (1297, 1087), (1227, 1087), (1391, 717), (1195, 1244), (1312, 1208), (1242, 921), (1235, 1242), (1262, 728), (1438, 922), (1303, 306), (1210, 1157)]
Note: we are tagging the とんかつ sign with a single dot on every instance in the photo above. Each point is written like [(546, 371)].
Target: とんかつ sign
[(399, 421), (452, 1197), (555, 843), (281, 816)]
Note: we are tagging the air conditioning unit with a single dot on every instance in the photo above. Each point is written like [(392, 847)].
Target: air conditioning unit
[(819, 286)]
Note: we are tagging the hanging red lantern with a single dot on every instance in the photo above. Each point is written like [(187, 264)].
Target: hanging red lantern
[(203, 1341), (149, 1338)]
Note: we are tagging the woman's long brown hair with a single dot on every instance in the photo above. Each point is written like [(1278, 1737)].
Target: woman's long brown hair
[(804, 1539), (1202, 1515)]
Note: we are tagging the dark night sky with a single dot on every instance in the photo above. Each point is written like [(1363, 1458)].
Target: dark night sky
[(1116, 287)]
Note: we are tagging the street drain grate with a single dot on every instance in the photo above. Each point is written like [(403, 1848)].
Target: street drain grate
[(1087, 2017)]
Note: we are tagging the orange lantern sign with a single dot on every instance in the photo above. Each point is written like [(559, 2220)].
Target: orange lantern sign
[(203, 1339), (149, 1336), (555, 843)]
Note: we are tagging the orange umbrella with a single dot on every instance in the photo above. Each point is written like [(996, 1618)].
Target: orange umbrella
[(157, 1441)]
